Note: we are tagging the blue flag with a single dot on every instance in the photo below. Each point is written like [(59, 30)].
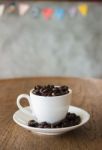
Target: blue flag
[(59, 13)]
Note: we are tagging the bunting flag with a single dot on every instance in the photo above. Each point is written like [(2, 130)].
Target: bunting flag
[(2, 7), (47, 13), (83, 9), (35, 12), (59, 13), (11, 8), (72, 11), (23, 8)]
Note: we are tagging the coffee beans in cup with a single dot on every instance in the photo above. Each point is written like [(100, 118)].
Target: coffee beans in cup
[(50, 90), (48, 103)]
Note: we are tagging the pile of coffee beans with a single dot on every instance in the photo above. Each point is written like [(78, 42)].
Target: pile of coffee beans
[(71, 119), (50, 90)]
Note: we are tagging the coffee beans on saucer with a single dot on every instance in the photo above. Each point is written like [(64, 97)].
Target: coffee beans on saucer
[(71, 119), (50, 90)]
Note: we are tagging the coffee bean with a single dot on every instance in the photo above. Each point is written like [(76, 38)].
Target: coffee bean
[(50, 90), (32, 123), (71, 119), (44, 125)]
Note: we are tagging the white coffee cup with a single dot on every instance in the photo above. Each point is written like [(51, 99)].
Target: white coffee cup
[(46, 108)]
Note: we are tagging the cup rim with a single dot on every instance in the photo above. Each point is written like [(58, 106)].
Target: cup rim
[(70, 92)]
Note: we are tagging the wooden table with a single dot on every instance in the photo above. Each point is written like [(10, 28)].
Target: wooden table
[(87, 94)]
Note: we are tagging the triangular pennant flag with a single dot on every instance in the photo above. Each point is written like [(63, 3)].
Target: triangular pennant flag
[(2, 7), (72, 11), (11, 8), (36, 12), (47, 13), (23, 8), (83, 9), (59, 13)]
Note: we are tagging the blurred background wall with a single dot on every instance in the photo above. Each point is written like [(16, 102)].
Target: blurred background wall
[(36, 47)]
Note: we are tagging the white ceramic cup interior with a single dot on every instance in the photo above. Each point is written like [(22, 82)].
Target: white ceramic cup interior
[(46, 108)]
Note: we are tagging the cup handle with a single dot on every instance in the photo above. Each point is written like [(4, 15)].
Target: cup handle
[(19, 98)]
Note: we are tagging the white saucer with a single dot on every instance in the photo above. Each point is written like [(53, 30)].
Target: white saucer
[(22, 119)]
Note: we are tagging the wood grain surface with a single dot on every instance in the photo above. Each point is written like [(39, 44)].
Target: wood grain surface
[(87, 94)]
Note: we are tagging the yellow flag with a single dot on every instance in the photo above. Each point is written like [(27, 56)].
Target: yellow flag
[(83, 9)]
